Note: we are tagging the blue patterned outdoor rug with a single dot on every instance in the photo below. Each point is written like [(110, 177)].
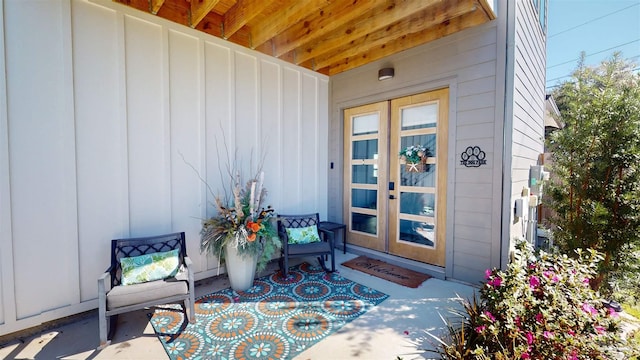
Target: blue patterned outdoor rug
[(275, 319)]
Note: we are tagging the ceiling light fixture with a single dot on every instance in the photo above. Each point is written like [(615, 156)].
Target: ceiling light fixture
[(385, 73)]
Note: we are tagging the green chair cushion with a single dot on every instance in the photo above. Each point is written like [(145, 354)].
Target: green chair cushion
[(303, 235), (149, 267)]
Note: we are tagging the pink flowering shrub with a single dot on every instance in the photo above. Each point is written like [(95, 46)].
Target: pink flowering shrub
[(541, 307)]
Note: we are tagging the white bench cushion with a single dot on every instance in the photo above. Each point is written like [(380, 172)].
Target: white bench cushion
[(125, 295)]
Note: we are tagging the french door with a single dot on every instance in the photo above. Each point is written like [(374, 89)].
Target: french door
[(391, 206)]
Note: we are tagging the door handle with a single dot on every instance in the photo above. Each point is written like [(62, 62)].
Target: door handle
[(392, 197)]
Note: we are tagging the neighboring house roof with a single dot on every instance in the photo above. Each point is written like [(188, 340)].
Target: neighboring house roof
[(325, 36), (552, 114)]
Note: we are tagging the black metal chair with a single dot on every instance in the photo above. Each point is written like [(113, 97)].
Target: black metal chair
[(115, 298), (289, 250)]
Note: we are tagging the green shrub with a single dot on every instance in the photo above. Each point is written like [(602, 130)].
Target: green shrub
[(624, 284), (541, 307), (632, 310), (595, 188)]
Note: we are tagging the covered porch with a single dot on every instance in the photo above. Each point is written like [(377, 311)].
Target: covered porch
[(395, 328), (107, 110)]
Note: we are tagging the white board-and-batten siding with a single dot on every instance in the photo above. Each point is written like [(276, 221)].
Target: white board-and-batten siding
[(467, 64), (108, 114), (526, 107)]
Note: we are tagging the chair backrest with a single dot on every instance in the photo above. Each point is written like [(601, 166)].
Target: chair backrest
[(121, 248), (295, 221)]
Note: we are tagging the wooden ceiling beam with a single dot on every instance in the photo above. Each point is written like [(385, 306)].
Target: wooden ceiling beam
[(427, 19), (406, 41), (378, 18), (200, 9), (327, 36), (223, 6), (155, 5), (211, 24), (291, 13), (142, 5), (327, 20), (242, 13), (177, 12)]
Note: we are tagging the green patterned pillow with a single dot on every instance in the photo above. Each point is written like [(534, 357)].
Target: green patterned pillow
[(303, 235), (149, 267)]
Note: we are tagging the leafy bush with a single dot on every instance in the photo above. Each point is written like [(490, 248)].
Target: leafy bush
[(633, 311), (541, 307), (624, 283), (595, 187)]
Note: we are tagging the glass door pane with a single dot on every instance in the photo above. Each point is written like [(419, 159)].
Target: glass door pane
[(418, 190), (365, 206), (417, 206)]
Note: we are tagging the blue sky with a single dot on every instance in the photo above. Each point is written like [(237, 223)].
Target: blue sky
[(597, 27)]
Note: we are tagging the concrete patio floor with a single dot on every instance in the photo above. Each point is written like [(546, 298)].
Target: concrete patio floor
[(395, 328)]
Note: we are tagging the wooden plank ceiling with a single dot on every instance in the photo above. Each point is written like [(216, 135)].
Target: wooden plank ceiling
[(327, 36)]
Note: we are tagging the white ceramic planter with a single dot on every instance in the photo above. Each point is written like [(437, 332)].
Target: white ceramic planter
[(240, 269)]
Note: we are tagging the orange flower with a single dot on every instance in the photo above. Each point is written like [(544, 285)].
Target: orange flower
[(255, 227), (251, 237)]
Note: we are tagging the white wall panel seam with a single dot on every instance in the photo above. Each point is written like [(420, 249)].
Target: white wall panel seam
[(202, 90), (316, 177), (70, 151), (259, 151), (231, 126), (8, 314), (300, 142), (127, 125), (259, 116), (166, 117), (204, 193), (281, 152), (280, 139), (125, 199)]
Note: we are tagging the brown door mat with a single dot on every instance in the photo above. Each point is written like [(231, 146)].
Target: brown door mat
[(386, 271)]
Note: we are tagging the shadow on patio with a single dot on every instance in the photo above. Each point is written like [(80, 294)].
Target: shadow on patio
[(394, 328)]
